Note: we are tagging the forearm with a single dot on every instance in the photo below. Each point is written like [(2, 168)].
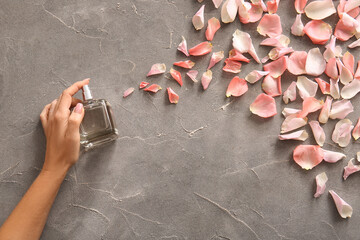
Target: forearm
[(29, 217)]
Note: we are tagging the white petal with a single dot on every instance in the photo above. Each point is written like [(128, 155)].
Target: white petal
[(340, 109), (318, 132), (350, 169), (242, 42), (217, 3), (342, 132), (301, 135), (307, 87), (292, 122), (290, 93), (334, 88), (198, 18), (344, 209), (228, 11), (350, 90), (325, 111), (320, 9), (289, 111), (321, 180), (354, 44), (297, 28), (333, 157), (255, 76), (315, 62)]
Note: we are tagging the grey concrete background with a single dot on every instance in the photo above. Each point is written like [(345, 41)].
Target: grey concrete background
[(185, 171)]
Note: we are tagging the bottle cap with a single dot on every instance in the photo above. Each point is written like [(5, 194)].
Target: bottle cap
[(86, 93)]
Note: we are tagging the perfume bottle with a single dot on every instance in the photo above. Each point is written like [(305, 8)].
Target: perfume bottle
[(98, 126)]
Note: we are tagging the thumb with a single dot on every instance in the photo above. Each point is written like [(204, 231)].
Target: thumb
[(75, 119)]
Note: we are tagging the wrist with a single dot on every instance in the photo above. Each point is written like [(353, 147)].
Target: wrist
[(54, 173)]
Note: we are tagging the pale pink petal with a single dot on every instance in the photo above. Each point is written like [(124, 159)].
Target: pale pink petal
[(321, 180), (300, 5), (334, 88), (143, 84), (183, 47), (237, 87), (153, 88), (345, 28), (264, 106), (350, 169), (157, 68), (128, 92), (277, 53), (296, 62), (325, 111), (213, 26), (242, 42), (308, 156), (345, 74), (315, 62), (215, 58), (357, 73), (198, 18), (340, 109), (185, 64), (272, 86), (331, 68), (217, 3), (237, 56), (173, 97), (331, 49), (290, 93), (349, 91), (228, 11), (176, 75), (354, 44), (324, 86), (318, 132), (358, 156), (290, 111), (292, 122), (344, 209), (232, 66), (351, 4), (206, 79), (192, 74), (349, 61), (278, 41), (341, 9), (201, 49), (255, 76), (307, 88), (333, 157), (297, 28), (272, 6), (255, 13), (277, 67), (300, 135), (342, 132), (318, 31), (356, 131), (320, 9), (270, 25), (244, 11), (310, 105)]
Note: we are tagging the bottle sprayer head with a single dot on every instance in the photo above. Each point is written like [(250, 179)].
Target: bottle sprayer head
[(86, 93)]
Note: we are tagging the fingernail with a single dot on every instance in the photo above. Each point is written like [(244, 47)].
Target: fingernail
[(78, 108)]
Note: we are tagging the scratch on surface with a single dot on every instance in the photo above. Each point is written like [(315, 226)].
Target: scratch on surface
[(92, 210), (170, 40), (145, 139), (10, 168), (219, 236), (225, 106), (5, 181), (252, 170), (105, 191), (332, 228), (276, 231), (229, 213), (127, 222), (139, 216), (168, 237), (269, 163), (135, 9), (62, 81), (192, 132)]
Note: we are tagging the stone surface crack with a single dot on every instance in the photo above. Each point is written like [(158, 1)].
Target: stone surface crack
[(139, 216), (91, 210)]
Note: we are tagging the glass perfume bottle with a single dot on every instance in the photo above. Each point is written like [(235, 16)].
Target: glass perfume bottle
[(98, 126)]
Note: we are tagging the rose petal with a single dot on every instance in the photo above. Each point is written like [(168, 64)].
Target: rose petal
[(217, 3), (201, 49), (351, 4), (341, 9), (185, 64), (297, 28), (340, 109), (272, 86), (290, 111), (345, 74), (349, 61), (213, 26), (345, 28), (357, 73), (264, 106), (331, 49), (310, 105), (237, 87), (255, 13), (198, 18), (331, 68), (307, 88), (278, 41), (308, 156), (318, 31), (128, 92), (354, 44), (320, 9), (350, 169), (315, 62), (342, 132), (228, 11), (356, 131), (173, 97), (242, 42), (324, 86), (349, 91), (318, 132), (296, 62), (143, 84), (358, 156), (332, 157), (206, 79), (321, 180), (157, 68), (270, 25), (244, 11), (215, 58), (344, 209), (325, 111), (277, 67), (277, 53), (237, 56), (192, 74), (176, 75), (153, 88), (232, 66), (301, 135), (300, 5), (290, 93), (272, 6), (334, 88), (292, 122), (183, 47), (255, 76)]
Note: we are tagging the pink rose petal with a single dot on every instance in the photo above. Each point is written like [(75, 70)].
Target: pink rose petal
[(331, 50), (272, 86), (255, 76), (278, 41), (217, 3), (272, 6), (325, 111), (237, 87), (264, 106), (297, 28), (300, 5), (324, 86), (320, 9), (128, 92), (183, 47), (232, 66), (334, 88), (332, 157), (318, 132), (215, 58), (344, 209), (300, 135), (345, 28), (242, 42), (349, 61), (201, 49), (350, 169), (143, 84), (292, 122), (345, 74), (153, 88), (198, 18), (229, 11), (176, 75), (354, 44), (290, 111), (277, 67), (206, 79), (340, 109), (321, 180), (315, 62), (192, 74), (342, 132), (308, 156), (318, 31), (277, 53), (237, 56), (331, 68), (255, 13), (356, 131), (310, 105), (173, 97), (213, 26), (307, 88), (349, 91), (185, 64), (296, 62), (351, 4), (290, 93), (157, 68), (270, 25)]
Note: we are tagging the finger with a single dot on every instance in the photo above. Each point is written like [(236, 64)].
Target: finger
[(66, 96), (52, 108), (75, 119), (75, 101), (44, 115)]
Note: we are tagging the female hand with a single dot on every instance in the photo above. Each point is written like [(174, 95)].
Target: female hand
[(61, 127)]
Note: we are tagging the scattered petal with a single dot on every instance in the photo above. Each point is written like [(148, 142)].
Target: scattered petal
[(300, 135), (331, 49), (213, 26), (272, 6), (332, 157), (270, 25), (215, 58), (192, 74), (264, 106), (349, 91), (356, 131), (128, 92), (183, 47), (277, 53), (318, 132), (349, 60), (272, 86), (334, 88), (345, 74), (217, 3), (277, 67), (232, 66), (143, 84), (290, 111), (173, 97), (255, 13), (300, 5), (228, 11), (176, 75), (351, 4), (237, 87), (153, 88), (201, 49), (307, 88), (244, 11), (342, 132), (350, 169), (320, 9), (318, 31), (345, 28), (206, 79), (297, 28), (157, 68), (325, 111), (296, 62), (292, 122), (237, 56), (185, 64), (324, 86), (354, 44), (290, 93), (242, 42), (321, 180), (198, 18), (344, 209), (278, 41), (315, 62), (357, 73), (340, 109), (308, 156), (310, 105), (255, 76), (331, 68)]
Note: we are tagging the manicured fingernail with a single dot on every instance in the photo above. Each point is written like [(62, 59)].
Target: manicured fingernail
[(78, 108)]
